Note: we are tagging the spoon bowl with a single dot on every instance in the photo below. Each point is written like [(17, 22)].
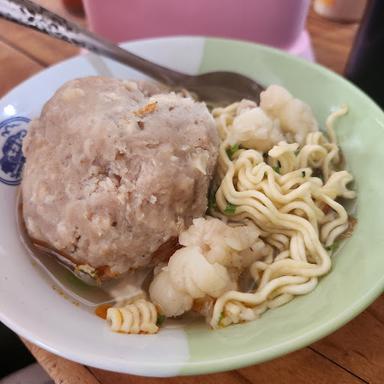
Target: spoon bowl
[(222, 88)]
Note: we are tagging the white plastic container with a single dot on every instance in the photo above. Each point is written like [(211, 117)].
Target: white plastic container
[(279, 23)]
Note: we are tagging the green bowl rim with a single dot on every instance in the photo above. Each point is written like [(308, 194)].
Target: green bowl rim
[(311, 336)]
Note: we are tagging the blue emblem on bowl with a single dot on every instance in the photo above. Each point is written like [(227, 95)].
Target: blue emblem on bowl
[(12, 133)]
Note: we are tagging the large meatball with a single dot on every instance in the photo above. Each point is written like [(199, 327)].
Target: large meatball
[(113, 172)]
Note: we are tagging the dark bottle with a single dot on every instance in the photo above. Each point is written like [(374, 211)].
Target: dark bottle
[(365, 66)]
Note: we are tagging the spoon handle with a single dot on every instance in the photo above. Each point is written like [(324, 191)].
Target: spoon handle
[(29, 14)]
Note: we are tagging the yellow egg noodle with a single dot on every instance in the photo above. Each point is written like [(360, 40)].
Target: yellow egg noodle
[(138, 317), (272, 224), (280, 194)]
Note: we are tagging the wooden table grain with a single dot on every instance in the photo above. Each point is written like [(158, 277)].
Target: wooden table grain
[(353, 354)]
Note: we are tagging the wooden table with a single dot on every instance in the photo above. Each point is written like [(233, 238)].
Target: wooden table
[(353, 354)]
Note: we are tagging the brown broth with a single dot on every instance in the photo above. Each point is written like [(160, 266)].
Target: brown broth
[(101, 310)]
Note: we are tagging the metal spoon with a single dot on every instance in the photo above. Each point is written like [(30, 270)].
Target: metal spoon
[(218, 88)]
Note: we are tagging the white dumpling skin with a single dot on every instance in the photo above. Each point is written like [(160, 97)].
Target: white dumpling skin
[(170, 301), (296, 117), (252, 128)]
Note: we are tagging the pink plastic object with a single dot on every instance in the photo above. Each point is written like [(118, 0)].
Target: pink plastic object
[(280, 23)]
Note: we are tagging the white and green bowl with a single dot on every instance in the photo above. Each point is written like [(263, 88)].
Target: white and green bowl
[(32, 308)]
